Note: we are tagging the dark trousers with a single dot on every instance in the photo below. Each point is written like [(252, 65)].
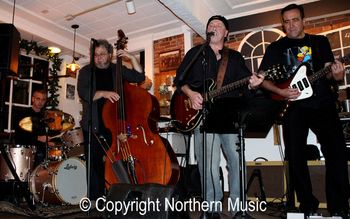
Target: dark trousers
[(97, 167), (325, 123)]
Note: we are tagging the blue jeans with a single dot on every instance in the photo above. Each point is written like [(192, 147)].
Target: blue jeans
[(228, 145)]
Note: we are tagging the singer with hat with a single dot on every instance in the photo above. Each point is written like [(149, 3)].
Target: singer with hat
[(217, 136)]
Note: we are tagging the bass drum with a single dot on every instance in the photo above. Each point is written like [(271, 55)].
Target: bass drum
[(22, 159), (59, 182)]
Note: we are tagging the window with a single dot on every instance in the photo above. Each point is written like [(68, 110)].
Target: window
[(32, 73)]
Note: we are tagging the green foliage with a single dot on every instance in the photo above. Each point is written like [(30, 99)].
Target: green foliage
[(52, 82)]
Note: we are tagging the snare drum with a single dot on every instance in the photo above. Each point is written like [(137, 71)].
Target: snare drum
[(74, 141), (55, 153), (22, 159), (59, 182)]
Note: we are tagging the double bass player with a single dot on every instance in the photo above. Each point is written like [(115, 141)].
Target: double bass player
[(103, 86)]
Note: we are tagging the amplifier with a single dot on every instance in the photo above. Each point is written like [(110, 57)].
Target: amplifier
[(266, 178)]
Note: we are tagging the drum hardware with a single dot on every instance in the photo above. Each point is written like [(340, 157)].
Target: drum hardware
[(22, 187)]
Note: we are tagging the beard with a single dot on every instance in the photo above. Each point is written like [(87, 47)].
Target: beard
[(102, 65)]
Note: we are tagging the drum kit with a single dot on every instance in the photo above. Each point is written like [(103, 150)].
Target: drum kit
[(61, 178)]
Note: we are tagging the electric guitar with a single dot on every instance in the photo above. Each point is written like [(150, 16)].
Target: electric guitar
[(303, 83), (185, 118)]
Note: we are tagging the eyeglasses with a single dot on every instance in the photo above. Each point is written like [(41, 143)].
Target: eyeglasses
[(102, 54)]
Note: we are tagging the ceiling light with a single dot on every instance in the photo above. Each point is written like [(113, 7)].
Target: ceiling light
[(54, 50), (73, 67), (130, 6)]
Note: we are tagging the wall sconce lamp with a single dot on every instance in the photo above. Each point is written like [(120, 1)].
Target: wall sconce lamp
[(73, 67), (130, 6)]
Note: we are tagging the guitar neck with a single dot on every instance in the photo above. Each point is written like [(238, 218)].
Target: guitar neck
[(227, 88), (314, 77)]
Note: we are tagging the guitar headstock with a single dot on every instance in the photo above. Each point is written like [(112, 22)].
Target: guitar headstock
[(122, 40), (276, 73)]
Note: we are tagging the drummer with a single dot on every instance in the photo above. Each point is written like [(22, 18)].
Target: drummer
[(37, 136)]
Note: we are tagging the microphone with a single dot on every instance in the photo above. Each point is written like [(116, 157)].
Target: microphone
[(209, 34), (94, 41)]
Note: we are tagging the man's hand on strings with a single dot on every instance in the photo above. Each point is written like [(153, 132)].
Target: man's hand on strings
[(289, 93), (110, 95), (196, 100)]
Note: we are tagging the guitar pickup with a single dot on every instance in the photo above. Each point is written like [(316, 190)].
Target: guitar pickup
[(300, 86), (306, 83)]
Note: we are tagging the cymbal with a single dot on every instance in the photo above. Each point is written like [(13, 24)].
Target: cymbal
[(57, 121), (26, 124)]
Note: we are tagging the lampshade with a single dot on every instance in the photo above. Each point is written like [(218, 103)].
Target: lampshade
[(54, 49), (73, 67)]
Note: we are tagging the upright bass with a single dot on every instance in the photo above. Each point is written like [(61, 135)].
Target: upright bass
[(135, 139)]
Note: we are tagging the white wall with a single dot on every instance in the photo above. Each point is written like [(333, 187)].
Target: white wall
[(70, 106)]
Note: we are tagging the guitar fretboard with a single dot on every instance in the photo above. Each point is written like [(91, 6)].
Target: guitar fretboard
[(227, 88), (326, 70)]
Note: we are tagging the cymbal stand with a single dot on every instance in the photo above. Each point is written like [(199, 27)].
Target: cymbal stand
[(46, 143)]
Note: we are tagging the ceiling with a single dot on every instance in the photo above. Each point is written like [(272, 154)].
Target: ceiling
[(49, 22)]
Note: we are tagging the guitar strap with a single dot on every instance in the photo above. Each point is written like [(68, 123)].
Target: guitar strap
[(222, 68)]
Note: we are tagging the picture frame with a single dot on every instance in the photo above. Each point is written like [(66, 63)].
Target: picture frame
[(169, 60), (70, 92)]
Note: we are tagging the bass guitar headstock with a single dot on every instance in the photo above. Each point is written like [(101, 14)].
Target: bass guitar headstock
[(122, 40)]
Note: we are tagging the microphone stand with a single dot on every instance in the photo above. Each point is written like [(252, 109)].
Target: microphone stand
[(241, 125), (91, 89), (183, 76), (204, 118), (185, 73)]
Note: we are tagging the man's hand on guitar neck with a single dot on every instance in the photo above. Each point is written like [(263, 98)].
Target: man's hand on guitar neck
[(255, 81), (337, 71), (195, 97)]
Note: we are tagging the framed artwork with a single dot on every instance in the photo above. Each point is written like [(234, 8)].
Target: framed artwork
[(70, 92), (169, 60)]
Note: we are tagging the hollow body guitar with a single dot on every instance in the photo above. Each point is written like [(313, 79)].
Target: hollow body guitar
[(185, 118), (303, 83)]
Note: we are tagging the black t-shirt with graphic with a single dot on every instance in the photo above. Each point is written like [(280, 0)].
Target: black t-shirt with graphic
[(313, 51)]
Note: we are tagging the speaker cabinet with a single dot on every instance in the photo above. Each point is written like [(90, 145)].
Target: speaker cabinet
[(146, 200), (9, 52), (177, 141), (267, 180)]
